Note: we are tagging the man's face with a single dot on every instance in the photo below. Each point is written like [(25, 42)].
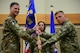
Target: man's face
[(14, 10), (60, 17)]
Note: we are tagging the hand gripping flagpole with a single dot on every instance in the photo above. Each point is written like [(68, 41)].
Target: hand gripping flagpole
[(38, 35)]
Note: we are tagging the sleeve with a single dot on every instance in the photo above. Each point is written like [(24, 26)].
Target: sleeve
[(59, 34), (46, 35), (14, 27), (43, 40)]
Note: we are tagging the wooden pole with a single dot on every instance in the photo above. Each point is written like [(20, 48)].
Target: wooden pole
[(38, 35)]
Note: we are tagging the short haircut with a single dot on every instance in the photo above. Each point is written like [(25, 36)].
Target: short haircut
[(59, 12), (14, 3)]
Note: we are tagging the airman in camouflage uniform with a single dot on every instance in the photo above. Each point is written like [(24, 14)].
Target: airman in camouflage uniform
[(33, 47), (66, 35), (12, 32)]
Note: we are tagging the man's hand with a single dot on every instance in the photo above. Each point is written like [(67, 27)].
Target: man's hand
[(38, 42), (36, 27), (37, 30), (40, 47)]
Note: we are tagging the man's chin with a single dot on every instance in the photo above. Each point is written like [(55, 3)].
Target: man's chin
[(16, 14)]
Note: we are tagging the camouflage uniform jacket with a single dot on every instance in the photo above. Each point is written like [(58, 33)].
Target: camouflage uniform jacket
[(33, 47), (67, 35), (11, 35)]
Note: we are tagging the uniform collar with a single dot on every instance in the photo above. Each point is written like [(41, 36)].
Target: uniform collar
[(11, 16), (65, 21)]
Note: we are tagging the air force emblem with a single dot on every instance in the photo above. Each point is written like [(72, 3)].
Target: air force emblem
[(29, 20), (30, 12)]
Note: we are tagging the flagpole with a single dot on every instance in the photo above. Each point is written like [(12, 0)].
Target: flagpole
[(23, 41), (38, 35), (53, 31)]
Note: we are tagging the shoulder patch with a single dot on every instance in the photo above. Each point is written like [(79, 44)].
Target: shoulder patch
[(13, 22)]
